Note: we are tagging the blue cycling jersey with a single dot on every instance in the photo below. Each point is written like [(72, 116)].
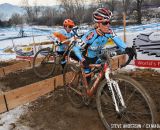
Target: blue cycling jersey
[(62, 47), (95, 43)]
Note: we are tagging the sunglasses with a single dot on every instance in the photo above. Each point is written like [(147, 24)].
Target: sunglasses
[(105, 23), (68, 26)]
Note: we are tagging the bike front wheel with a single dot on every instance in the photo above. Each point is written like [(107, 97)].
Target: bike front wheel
[(44, 62), (139, 111)]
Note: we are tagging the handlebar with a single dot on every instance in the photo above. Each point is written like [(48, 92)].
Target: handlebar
[(108, 54), (127, 62), (130, 57), (74, 30)]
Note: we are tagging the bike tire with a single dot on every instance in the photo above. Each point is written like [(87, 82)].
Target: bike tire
[(73, 84), (44, 63), (137, 101)]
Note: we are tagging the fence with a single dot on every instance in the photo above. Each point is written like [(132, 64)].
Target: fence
[(28, 93)]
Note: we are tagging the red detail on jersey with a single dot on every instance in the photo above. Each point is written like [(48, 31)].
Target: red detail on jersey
[(90, 35)]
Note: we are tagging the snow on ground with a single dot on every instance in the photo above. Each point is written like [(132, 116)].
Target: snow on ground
[(8, 119), (7, 57), (23, 41), (139, 28), (33, 31), (131, 32), (129, 68), (11, 32)]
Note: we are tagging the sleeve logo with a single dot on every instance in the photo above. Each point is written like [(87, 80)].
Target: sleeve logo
[(90, 36)]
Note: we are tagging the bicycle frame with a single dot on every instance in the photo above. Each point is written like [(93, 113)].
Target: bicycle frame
[(112, 85), (90, 91)]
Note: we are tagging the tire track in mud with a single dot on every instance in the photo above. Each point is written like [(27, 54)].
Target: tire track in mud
[(151, 82)]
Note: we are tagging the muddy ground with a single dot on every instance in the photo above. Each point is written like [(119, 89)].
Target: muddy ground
[(3, 64), (54, 111), (22, 78)]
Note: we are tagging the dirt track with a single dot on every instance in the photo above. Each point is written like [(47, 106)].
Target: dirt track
[(54, 112), (22, 78), (3, 64)]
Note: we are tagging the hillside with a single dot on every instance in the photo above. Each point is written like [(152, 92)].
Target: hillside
[(6, 11)]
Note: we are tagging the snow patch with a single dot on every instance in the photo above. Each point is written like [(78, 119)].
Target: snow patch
[(7, 56), (130, 68), (8, 119)]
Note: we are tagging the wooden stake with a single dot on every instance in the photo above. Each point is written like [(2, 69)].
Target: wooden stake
[(124, 26)]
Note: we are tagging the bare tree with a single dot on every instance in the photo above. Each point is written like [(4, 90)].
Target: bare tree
[(16, 19), (139, 13), (79, 10), (153, 2), (88, 14), (126, 6), (68, 8), (48, 15), (36, 10), (110, 4), (130, 6), (137, 5), (28, 10), (73, 9)]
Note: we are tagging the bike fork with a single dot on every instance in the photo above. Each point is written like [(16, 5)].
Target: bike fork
[(115, 92), (118, 92)]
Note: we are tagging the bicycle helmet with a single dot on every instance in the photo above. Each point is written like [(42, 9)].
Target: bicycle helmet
[(68, 22), (102, 15)]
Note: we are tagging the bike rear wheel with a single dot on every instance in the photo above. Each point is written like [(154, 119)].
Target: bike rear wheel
[(73, 84), (140, 109), (44, 62)]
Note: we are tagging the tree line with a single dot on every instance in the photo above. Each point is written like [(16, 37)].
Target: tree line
[(81, 12)]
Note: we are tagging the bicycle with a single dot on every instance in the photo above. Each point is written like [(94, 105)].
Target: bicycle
[(45, 62), (119, 98), (46, 59)]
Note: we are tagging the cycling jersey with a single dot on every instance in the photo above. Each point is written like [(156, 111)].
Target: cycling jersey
[(95, 43), (61, 36)]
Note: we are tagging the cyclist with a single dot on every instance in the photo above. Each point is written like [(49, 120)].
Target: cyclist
[(62, 35), (94, 40)]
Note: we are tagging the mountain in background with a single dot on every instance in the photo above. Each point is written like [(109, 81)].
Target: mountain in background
[(6, 11)]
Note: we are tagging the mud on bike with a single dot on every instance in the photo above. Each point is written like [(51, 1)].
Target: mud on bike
[(119, 98)]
